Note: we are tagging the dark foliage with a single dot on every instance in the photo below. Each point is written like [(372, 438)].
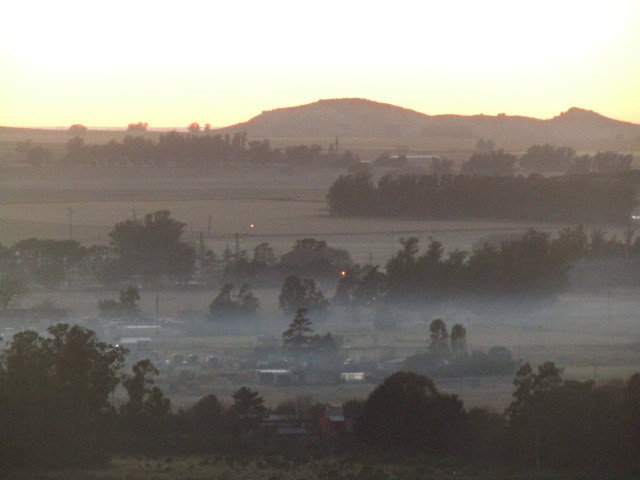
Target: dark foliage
[(578, 199), (54, 397), (492, 163), (229, 305), (151, 248), (519, 269), (302, 293), (407, 412)]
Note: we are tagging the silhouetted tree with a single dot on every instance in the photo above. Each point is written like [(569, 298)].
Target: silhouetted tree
[(13, 283), (227, 305), (407, 412), (439, 337), (77, 129), (301, 294), (152, 248), (247, 409), (56, 392), (458, 339), (137, 127), (297, 335)]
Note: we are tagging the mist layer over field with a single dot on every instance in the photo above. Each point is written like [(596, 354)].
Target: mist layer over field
[(591, 331)]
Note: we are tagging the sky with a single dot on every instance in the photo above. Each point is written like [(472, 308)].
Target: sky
[(108, 64)]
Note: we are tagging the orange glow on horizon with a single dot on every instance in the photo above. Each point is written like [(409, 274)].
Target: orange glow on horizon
[(145, 62)]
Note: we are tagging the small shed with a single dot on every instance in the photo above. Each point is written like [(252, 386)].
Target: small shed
[(274, 377)]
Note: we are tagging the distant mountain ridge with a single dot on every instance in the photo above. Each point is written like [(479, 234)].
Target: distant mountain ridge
[(358, 117), (362, 125)]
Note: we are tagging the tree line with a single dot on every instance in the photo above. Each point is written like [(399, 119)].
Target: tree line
[(150, 250), (56, 410), (192, 149), (573, 199)]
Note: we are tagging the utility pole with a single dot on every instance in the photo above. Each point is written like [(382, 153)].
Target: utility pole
[(68, 261), (209, 228), (70, 223), (609, 307), (135, 215), (201, 249), (237, 245)]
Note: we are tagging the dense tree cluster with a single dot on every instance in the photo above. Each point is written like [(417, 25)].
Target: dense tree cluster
[(301, 293), (55, 392), (568, 424), (126, 306), (577, 199), (492, 163), (151, 248), (526, 268), (547, 158), (228, 305), (448, 356), (47, 262), (407, 412)]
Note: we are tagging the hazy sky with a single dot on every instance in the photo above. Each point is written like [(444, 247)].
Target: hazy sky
[(168, 63)]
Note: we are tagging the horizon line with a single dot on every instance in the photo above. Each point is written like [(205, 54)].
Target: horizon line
[(213, 128)]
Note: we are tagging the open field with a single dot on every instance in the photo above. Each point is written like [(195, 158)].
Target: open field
[(284, 204)]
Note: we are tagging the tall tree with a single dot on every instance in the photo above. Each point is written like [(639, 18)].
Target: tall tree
[(247, 409), (458, 339), (439, 337), (57, 390), (296, 336), (152, 248), (407, 412)]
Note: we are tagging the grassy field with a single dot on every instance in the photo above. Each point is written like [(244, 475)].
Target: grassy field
[(283, 204), (303, 467)]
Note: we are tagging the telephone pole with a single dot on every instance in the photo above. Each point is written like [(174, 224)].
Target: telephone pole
[(70, 223)]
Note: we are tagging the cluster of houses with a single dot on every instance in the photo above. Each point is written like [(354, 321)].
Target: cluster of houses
[(332, 422)]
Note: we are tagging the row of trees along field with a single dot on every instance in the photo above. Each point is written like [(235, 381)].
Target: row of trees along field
[(546, 159), (56, 410), (184, 149), (574, 199), (197, 149), (151, 250)]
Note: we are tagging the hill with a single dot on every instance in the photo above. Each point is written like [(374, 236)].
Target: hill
[(371, 127), (361, 118)]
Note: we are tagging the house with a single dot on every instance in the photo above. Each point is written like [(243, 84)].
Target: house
[(352, 377), (285, 427), (332, 422)]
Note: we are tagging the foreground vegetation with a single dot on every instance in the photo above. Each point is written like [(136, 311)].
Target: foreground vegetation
[(55, 411), (285, 466)]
